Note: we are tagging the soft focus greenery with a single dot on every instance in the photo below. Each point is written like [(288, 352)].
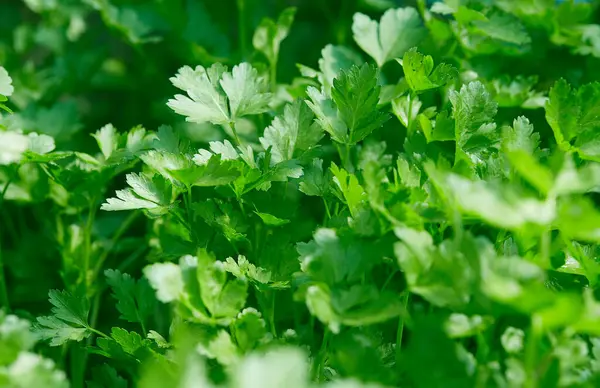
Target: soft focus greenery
[(299, 193)]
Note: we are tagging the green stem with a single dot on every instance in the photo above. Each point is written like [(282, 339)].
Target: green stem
[(389, 279), (4, 300), (188, 208), (531, 356), (88, 243), (235, 134), (78, 359), (545, 249), (401, 324), (113, 242), (181, 220), (98, 332), (272, 315), (241, 6), (326, 208), (273, 75), (131, 258), (319, 361), (411, 96), (344, 152)]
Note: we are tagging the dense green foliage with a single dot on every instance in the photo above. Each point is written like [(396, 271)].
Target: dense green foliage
[(278, 193)]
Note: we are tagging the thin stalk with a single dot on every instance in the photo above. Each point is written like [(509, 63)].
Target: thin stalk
[(88, 242), (350, 168), (242, 209), (273, 75), (4, 300), (181, 220), (545, 249), (411, 97), (242, 33), (326, 208), (131, 258), (113, 242), (344, 152), (234, 131), (389, 279), (319, 361), (4, 190), (78, 359), (95, 310), (98, 332), (188, 208), (401, 324), (272, 315), (531, 357)]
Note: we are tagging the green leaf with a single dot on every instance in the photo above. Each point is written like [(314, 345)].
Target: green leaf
[(420, 74), (40, 144), (333, 60), (521, 137), (246, 91), (293, 131), (353, 193), (579, 219), (222, 298), (274, 369), (517, 92), (33, 370), (573, 114), (352, 113), (397, 31), (152, 194), (6, 88), (573, 180), (501, 207), (249, 329), (334, 259), (214, 172), (221, 348), (68, 320), (356, 95), (529, 168), (473, 111), (166, 279), (461, 325), (439, 274), (504, 27), (269, 34), (243, 269), (135, 299), (218, 96), (512, 340), (68, 307), (15, 337), (271, 220), (407, 108), (222, 217), (443, 130), (225, 149), (205, 100), (315, 182), (12, 147), (327, 115), (130, 341), (107, 139)]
